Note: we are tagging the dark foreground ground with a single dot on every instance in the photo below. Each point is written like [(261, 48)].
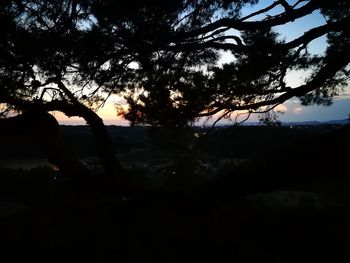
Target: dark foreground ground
[(292, 206), (70, 225)]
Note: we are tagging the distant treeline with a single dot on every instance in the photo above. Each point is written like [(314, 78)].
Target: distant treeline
[(230, 141)]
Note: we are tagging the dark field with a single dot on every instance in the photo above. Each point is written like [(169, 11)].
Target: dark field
[(248, 194)]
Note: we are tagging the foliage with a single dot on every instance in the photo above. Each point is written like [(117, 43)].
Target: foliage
[(58, 53), (71, 55), (256, 79)]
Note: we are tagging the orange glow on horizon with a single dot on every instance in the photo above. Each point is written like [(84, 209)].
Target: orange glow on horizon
[(108, 113)]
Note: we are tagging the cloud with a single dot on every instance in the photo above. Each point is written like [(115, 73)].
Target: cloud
[(297, 110), (281, 108), (344, 96)]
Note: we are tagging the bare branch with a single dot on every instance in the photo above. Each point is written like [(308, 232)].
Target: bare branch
[(66, 91), (47, 89), (261, 11), (285, 4), (298, 2), (249, 113)]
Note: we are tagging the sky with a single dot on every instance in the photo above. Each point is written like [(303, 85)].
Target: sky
[(290, 111)]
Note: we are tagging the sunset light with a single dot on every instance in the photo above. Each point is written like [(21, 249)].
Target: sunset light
[(171, 131)]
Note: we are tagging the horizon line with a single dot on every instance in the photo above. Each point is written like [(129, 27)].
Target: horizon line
[(252, 123)]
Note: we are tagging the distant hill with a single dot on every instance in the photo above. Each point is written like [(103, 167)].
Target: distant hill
[(335, 122), (303, 123)]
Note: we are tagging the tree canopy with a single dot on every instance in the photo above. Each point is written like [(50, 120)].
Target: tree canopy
[(256, 80), (162, 56), (57, 54)]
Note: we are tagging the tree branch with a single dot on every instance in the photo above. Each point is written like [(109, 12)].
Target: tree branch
[(249, 25), (261, 11), (306, 38), (66, 91), (334, 64)]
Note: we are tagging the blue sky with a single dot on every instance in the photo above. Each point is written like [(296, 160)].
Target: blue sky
[(293, 110), (340, 109)]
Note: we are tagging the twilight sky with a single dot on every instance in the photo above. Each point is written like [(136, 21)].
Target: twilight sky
[(292, 110)]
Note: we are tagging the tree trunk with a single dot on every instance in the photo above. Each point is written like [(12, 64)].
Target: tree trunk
[(104, 144)]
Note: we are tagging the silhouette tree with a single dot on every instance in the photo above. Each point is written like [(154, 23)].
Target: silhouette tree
[(62, 55), (39, 65), (71, 55), (255, 81)]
